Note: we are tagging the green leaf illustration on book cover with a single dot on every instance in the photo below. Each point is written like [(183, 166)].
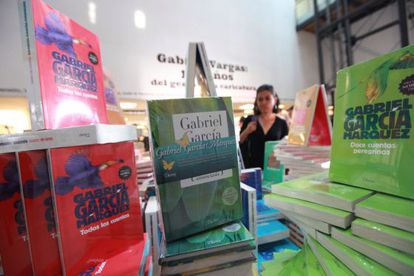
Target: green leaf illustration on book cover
[(372, 137), (196, 168)]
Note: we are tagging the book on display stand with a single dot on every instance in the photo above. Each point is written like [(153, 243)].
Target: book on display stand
[(195, 156), (372, 142), (96, 203), (63, 69), (310, 119)]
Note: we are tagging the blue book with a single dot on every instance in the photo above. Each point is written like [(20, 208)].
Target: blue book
[(271, 231), (265, 212), (249, 208), (253, 178)]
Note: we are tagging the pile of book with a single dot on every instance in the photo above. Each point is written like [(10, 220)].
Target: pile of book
[(225, 247), (269, 228), (301, 160), (348, 228), (55, 189), (197, 180)]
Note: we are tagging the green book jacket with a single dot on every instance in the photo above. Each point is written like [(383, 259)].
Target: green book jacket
[(373, 143), (195, 160)]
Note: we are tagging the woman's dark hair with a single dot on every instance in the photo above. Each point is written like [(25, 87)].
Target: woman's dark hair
[(262, 88)]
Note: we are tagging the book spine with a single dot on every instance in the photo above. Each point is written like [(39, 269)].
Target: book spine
[(31, 66)]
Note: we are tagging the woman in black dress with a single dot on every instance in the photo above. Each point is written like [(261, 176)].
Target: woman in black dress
[(263, 126)]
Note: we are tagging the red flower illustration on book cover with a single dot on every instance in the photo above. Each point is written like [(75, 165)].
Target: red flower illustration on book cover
[(97, 203), (70, 70), (38, 207), (14, 249)]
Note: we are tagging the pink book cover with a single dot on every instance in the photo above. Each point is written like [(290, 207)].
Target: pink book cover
[(320, 134), (39, 212), (65, 75), (14, 249), (97, 205)]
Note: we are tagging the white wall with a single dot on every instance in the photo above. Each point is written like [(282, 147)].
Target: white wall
[(258, 34)]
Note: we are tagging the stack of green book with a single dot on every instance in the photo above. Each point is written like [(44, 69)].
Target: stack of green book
[(311, 210), (318, 189), (355, 261), (223, 247), (394, 260), (383, 234), (309, 222), (389, 210), (330, 264)]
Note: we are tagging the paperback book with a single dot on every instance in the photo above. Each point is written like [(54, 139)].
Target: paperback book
[(271, 231), (318, 189), (330, 264), (195, 156), (310, 120), (389, 210), (249, 208), (253, 178), (266, 213), (372, 143), (97, 207), (312, 210), (383, 234), (310, 222), (394, 260), (38, 208), (355, 261), (13, 233), (63, 69)]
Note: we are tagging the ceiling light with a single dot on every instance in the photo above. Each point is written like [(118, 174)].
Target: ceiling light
[(140, 19), (92, 12)]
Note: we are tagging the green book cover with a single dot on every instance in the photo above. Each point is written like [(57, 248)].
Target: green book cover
[(386, 235), (331, 264), (389, 210), (222, 238), (357, 262), (317, 188), (373, 138), (195, 162), (393, 259), (313, 267), (330, 215)]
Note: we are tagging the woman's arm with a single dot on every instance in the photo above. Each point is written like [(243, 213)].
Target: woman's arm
[(247, 130)]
